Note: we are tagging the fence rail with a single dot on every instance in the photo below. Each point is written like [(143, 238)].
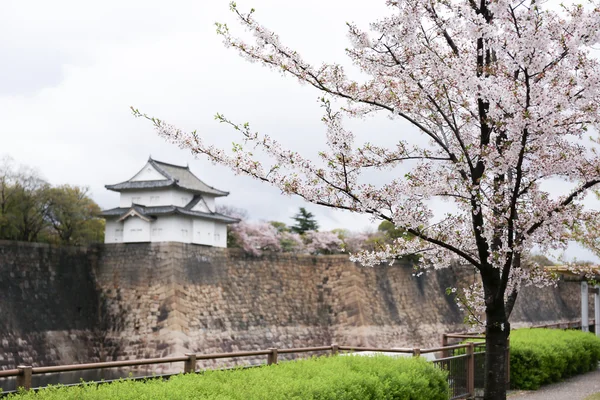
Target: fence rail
[(461, 370), (463, 362)]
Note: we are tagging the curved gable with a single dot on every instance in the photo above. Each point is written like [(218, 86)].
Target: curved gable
[(148, 173)]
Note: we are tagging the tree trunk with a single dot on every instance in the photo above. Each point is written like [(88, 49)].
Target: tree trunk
[(496, 333)]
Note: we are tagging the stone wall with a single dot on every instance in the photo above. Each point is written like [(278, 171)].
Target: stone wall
[(182, 298), (48, 304), (62, 305)]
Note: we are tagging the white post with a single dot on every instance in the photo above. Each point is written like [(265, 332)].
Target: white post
[(585, 319), (597, 311)]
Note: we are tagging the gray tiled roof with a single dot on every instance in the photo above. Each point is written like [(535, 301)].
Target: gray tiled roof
[(175, 175), (141, 185), (166, 210)]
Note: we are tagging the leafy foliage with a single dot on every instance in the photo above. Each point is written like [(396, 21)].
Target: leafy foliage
[(542, 356), (32, 210), (343, 378), (73, 215)]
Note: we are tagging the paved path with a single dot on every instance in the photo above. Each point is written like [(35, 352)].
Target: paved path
[(576, 388)]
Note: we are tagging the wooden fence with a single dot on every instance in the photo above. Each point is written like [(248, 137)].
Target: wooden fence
[(465, 372), (478, 378), (464, 366)]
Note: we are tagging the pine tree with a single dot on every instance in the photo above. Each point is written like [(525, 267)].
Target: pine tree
[(305, 221)]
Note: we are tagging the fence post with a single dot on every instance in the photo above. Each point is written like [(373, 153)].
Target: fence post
[(189, 365), (272, 356), (471, 369), (416, 352), (445, 344), (335, 349), (24, 377)]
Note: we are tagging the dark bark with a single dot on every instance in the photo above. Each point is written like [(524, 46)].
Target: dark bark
[(497, 331)]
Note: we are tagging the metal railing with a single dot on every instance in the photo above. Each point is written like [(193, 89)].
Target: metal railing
[(461, 367), (479, 356)]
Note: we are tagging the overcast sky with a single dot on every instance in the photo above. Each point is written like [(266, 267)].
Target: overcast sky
[(72, 69)]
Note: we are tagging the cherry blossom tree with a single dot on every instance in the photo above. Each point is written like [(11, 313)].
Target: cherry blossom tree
[(291, 242), (352, 242), (257, 237), (322, 242), (507, 93)]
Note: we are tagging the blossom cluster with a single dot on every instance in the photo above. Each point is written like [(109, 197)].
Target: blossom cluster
[(256, 237)]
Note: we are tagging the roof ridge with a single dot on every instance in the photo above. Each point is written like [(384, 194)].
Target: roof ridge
[(211, 187), (160, 170), (169, 164)]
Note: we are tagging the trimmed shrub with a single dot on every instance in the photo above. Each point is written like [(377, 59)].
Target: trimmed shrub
[(350, 378), (542, 356)]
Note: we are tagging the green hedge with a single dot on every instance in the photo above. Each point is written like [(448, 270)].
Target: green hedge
[(349, 377), (541, 356)]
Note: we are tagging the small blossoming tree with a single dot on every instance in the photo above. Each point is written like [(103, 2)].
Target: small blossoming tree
[(254, 238), (322, 242), (504, 91)]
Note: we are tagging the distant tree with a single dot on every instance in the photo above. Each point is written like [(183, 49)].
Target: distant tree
[(7, 197), (280, 226), (305, 221), (390, 231), (255, 238), (322, 242), (352, 242), (540, 260), (73, 215), (31, 210), (28, 215), (231, 211), (291, 242)]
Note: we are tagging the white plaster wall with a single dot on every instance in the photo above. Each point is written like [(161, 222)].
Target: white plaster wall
[(113, 231), (168, 228), (182, 229), (204, 232), (160, 229), (148, 173), (220, 238), (181, 198), (200, 207), (148, 198), (136, 230), (210, 202), (171, 228)]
